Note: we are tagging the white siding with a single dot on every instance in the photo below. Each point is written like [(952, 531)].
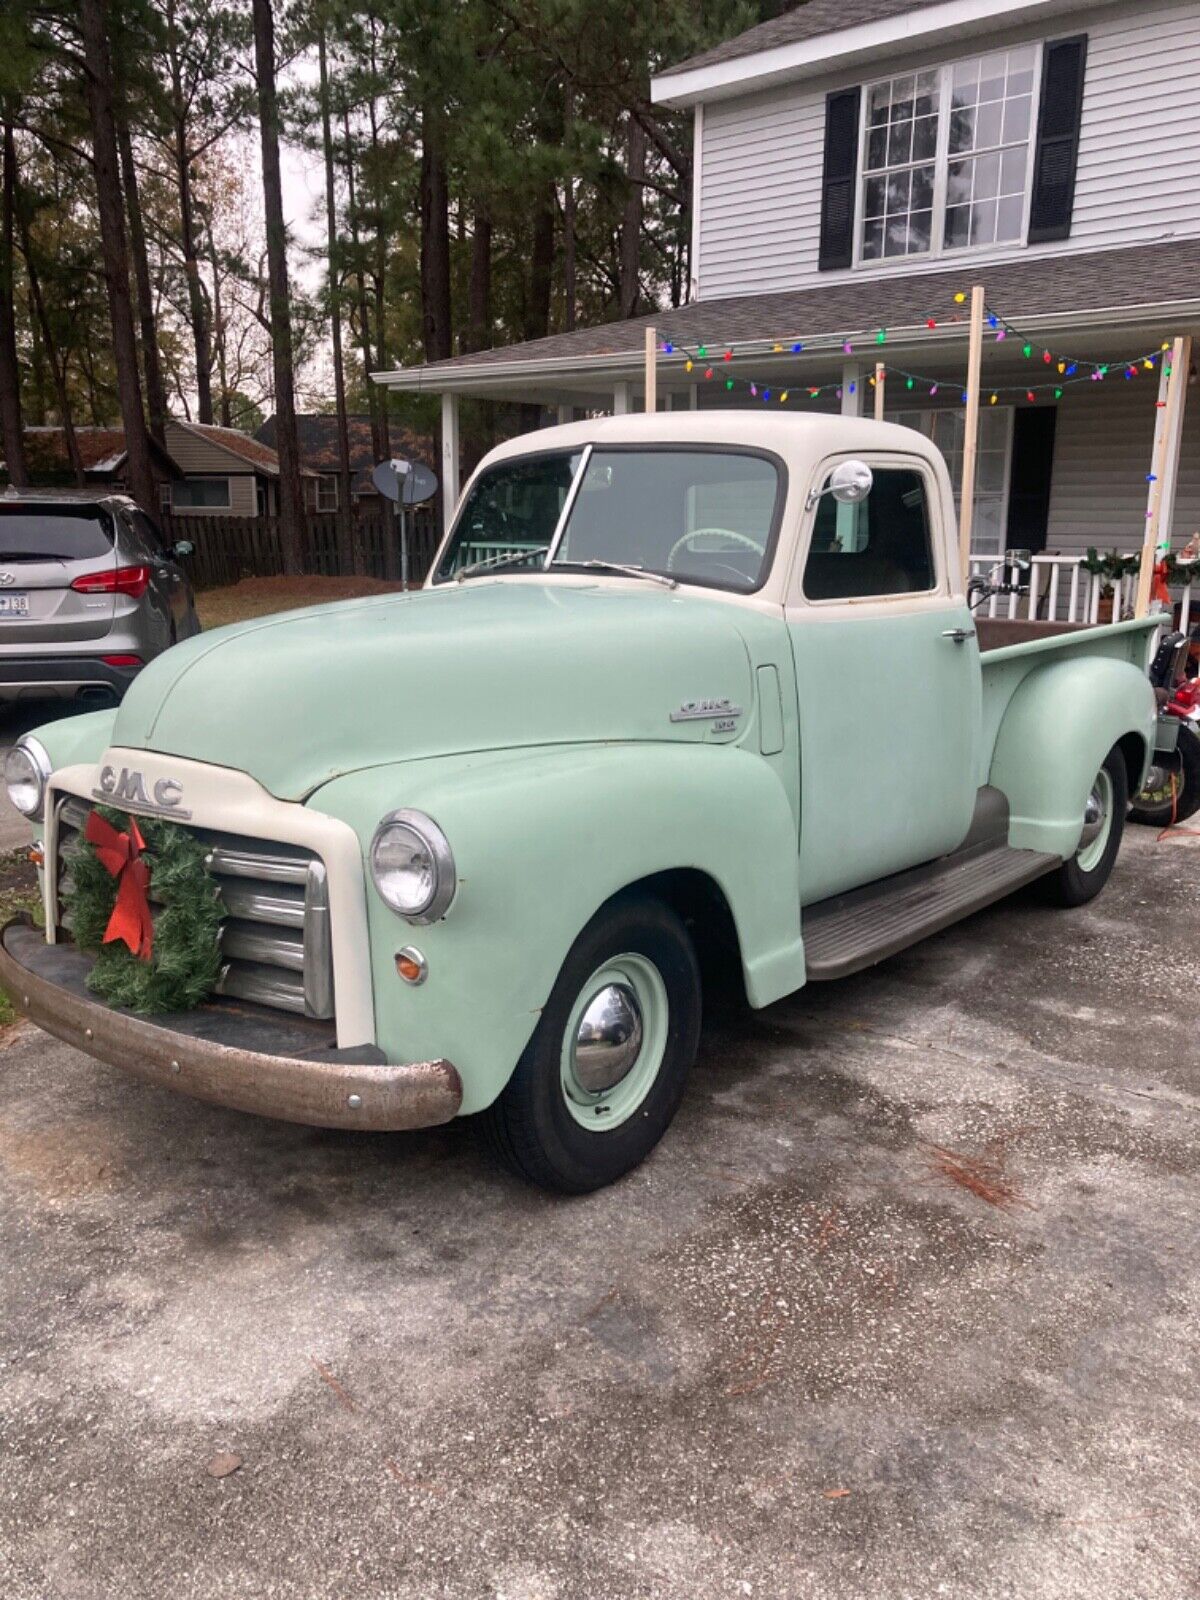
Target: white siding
[(1102, 453), (1139, 154)]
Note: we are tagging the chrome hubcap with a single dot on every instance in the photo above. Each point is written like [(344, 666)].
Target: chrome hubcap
[(1093, 818), (608, 1039)]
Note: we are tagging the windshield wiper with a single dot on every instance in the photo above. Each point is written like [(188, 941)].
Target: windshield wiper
[(504, 559), (618, 566)]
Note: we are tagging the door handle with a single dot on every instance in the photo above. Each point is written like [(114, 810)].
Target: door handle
[(959, 635)]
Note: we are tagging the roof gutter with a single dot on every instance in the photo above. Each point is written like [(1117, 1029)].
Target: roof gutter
[(624, 364), (926, 27)]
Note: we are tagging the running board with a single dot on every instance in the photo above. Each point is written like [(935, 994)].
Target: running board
[(851, 931)]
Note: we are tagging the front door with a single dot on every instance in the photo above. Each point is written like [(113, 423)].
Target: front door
[(889, 698)]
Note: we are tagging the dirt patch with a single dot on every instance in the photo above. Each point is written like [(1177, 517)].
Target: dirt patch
[(66, 1161), (262, 597), (18, 892)]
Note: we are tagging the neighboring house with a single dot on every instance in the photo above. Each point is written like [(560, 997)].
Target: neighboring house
[(102, 452), (225, 472), (320, 455), (860, 163)]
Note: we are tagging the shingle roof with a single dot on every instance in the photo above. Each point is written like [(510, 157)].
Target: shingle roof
[(102, 450), (804, 22), (1036, 285), (241, 444), (317, 434)]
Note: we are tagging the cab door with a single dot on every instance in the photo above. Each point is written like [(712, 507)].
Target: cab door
[(888, 680)]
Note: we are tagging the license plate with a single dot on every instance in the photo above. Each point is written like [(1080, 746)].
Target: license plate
[(14, 605)]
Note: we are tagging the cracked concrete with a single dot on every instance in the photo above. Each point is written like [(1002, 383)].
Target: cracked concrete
[(905, 1305)]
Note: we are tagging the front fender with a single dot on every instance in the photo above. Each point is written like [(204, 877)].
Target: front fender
[(1059, 726), (541, 839)]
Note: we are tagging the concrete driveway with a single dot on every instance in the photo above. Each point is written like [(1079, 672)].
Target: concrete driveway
[(905, 1305)]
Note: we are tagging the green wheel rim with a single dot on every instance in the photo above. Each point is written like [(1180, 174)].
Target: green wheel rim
[(1090, 855), (642, 989)]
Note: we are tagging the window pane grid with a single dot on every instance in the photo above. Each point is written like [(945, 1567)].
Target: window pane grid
[(984, 165), (947, 429)]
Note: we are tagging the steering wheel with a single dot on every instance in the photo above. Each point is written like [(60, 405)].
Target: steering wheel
[(739, 541)]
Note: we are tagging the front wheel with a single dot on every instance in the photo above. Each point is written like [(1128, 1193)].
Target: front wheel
[(1079, 880), (603, 1075), (1172, 791)]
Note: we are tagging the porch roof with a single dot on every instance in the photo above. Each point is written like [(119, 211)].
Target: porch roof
[(1153, 288)]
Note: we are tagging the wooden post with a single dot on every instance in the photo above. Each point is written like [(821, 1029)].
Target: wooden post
[(449, 459), (880, 384), (1169, 437), (651, 370), (971, 429)]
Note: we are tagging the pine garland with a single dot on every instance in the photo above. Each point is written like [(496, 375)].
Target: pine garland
[(186, 959)]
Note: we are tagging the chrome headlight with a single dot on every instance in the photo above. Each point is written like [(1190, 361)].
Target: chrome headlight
[(26, 772), (412, 865)]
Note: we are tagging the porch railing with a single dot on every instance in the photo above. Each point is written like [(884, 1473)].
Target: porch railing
[(1061, 589)]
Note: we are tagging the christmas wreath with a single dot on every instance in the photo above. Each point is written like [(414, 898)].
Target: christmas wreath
[(166, 963)]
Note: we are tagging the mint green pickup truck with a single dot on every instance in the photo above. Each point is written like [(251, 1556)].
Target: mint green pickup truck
[(685, 698)]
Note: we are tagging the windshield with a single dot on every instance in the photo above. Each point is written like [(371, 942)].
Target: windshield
[(60, 534), (700, 516)]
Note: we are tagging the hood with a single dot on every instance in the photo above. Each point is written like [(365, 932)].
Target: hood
[(299, 699)]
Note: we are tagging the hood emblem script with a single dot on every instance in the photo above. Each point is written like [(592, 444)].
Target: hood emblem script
[(128, 789), (723, 710)]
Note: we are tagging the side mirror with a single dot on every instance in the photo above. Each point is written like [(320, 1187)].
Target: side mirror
[(849, 484), (182, 548)]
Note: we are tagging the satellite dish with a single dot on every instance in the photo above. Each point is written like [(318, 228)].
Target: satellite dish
[(408, 482)]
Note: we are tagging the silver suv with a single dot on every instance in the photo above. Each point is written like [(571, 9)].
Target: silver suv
[(89, 592)]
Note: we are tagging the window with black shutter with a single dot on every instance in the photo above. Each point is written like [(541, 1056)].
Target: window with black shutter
[(839, 179), (1057, 150)]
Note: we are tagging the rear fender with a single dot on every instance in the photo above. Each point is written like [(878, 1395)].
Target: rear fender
[(1058, 727), (541, 839)]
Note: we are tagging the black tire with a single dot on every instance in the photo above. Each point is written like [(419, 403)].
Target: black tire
[(1075, 883), (531, 1127), (1156, 810)]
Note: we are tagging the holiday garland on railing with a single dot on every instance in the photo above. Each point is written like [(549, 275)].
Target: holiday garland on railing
[(170, 963)]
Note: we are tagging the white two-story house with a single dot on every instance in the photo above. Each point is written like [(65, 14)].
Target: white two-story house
[(860, 165)]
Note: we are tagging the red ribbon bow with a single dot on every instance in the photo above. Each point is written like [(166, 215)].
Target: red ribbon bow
[(120, 854), (1159, 590)]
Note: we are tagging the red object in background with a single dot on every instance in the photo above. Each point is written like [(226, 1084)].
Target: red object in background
[(132, 581), (122, 661), (120, 855)]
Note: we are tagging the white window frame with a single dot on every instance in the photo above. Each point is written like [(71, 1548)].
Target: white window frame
[(325, 482), (204, 477), (894, 414), (938, 249)]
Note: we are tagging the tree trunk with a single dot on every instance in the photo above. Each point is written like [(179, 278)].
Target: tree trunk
[(156, 394), (570, 291), (111, 211), (479, 284), (380, 253), (435, 237), (58, 365), (352, 555), (197, 310), (12, 432), (631, 226), (220, 354), (291, 501), (364, 321), (541, 269)]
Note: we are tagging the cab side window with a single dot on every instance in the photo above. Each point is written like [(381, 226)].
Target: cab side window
[(882, 546)]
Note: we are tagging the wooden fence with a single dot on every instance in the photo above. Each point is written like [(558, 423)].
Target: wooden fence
[(230, 548)]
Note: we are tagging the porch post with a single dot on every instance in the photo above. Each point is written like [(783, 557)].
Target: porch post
[(1166, 471), (651, 384), (966, 512), (880, 385), (852, 380), (449, 458), (622, 398), (566, 414)]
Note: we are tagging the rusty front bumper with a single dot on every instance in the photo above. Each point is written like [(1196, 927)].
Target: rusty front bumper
[(205, 1053)]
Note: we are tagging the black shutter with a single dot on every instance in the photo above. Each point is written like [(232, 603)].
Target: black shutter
[(1029, 483), (839, 177), (1063, 63)]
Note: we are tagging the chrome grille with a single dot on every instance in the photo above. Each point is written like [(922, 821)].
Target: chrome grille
[(275, 939)]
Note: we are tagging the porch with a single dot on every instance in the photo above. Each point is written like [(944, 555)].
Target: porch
[(1072, 392)]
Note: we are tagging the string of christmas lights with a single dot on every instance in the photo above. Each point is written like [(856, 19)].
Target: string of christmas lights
[(1068, 368)]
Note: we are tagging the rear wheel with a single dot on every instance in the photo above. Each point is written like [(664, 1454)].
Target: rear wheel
[(1172, 791), (603, 1075), (1079, 880)]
